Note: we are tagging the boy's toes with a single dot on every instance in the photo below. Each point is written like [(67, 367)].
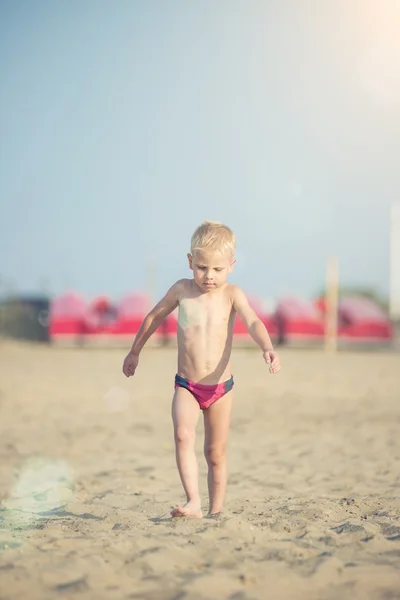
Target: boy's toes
[(187, 511)]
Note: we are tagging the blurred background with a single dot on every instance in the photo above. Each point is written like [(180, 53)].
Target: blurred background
[(123, 125), (126, 124)]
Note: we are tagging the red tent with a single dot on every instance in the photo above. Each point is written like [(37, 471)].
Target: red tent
[(299, 320), (131, 310), (67, 316), (100, 317), (362, 319)]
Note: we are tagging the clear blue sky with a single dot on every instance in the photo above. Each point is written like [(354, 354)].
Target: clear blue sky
[(124, 124)]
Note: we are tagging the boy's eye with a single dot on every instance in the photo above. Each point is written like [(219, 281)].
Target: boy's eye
[(218, 270)]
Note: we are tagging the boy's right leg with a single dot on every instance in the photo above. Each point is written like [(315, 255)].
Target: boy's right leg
[(185, 415)]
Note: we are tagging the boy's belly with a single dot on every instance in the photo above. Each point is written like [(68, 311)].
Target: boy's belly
[(204, 356)]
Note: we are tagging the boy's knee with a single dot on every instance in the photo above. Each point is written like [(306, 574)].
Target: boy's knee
[(215, 455), (184, 435)]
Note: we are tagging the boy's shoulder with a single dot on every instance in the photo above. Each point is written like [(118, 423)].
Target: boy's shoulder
[(183, 283), (234, 290), (182, 286)]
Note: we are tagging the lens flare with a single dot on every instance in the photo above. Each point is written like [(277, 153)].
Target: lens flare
[(44, 486), (117, 400)]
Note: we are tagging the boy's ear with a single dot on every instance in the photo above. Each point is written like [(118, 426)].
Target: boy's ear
[(231, 266), (190, 259)]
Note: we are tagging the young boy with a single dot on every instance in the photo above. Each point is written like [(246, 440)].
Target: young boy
[(207, 309)]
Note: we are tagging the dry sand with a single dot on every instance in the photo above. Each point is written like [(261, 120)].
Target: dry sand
[(88, 478)]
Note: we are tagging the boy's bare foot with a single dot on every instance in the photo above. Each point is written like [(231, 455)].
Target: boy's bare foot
[(190, 509)]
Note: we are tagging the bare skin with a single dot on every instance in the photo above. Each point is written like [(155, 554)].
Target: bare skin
[(208, 306), (185, 416)]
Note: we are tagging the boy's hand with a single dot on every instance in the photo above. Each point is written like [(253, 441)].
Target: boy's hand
[(271, 357), (130, 363)]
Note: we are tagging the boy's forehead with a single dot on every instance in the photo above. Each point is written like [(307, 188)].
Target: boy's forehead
[(211, 256)]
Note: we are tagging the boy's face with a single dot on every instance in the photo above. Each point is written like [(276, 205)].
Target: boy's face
[(210, 268)]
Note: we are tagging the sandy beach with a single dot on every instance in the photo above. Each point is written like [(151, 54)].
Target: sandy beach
[(88, 479)]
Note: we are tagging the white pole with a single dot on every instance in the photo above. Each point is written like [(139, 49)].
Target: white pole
[(394, 291), (332, 300)]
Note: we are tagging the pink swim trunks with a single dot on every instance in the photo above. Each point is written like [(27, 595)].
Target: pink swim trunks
[(204, 394)]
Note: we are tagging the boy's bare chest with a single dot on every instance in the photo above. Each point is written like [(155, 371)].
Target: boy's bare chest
[(195, 312)]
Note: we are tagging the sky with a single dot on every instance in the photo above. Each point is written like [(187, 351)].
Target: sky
[(124, 124)]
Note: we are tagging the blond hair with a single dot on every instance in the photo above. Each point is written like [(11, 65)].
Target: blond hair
[(212, 235)]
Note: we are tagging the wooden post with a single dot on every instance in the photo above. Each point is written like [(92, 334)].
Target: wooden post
[(332, 299), (394, 285)]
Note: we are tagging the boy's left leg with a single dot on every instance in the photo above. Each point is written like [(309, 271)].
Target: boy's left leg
[(216, 429)]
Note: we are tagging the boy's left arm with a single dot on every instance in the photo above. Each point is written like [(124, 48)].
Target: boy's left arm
[(256, 328)]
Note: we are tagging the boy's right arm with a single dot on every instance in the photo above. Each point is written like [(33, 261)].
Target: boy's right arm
[(150, 323)]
